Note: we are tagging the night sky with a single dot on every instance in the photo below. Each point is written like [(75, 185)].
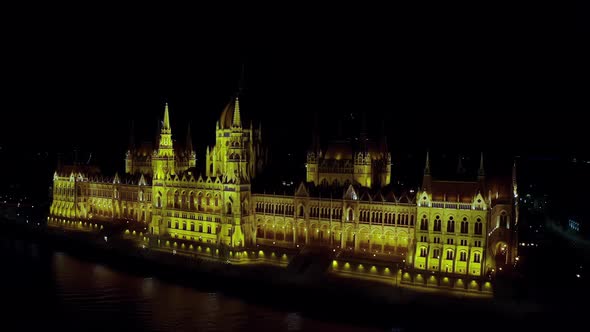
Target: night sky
[(78, 85)]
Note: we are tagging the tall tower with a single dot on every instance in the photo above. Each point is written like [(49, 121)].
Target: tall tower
[(232, 159), (190, 152), (385, 167), (163, 159), (314, 154)]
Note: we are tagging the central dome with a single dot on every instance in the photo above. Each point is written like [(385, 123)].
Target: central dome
[(227, 116)]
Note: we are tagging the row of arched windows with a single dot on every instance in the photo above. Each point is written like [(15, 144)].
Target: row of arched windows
[(464, 228), (271, 208), (450, 254), (178, 200), (324, 212), (386, 217), (199, 227)]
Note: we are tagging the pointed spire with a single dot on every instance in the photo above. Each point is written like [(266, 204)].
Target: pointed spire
[(427, 166), (116, 180), (189, 139), (237, 121), (514, 183), (166, 124), (481, 171)]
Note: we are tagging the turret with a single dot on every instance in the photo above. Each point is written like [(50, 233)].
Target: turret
[(190, 152)]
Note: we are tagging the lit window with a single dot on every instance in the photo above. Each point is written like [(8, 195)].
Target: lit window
[(477, 257), (423, 252)]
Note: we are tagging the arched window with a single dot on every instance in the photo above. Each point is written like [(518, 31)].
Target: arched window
[(229, 208), (350, 215), (451, 225), (182, 200), (464, 226), (449, 254), (478, 227), (503, 220), (301, 212), (175, 200), (476, 257), (423, 252), (260, 231), (424, 223), (191, 201), (437, 224), (463, 256), (436, 253), (412, 220)]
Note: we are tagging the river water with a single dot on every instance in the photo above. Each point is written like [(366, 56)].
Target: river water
[(43, 288)]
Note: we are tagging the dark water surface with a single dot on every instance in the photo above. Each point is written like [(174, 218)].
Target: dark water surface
[(43, 288)]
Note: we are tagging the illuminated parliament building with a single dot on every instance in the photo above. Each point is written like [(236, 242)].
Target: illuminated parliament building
[(348, 202)]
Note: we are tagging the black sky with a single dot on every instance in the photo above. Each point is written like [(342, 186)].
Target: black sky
[(80, 82)]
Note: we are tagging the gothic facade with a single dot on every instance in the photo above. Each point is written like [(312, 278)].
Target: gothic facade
[(348, 203)]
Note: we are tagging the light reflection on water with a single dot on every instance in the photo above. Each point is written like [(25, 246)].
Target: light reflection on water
[(82, 295)]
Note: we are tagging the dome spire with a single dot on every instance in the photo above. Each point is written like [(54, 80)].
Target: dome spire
[(166, 125), (237, 121)]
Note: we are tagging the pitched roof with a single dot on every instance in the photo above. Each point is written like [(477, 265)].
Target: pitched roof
[(454, 190)]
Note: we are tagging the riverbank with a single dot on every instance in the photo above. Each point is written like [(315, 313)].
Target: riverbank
[(324, 297)]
